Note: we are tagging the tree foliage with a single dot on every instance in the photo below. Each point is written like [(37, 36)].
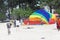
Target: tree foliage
[(21, 13), (2, 16), (24, 13)]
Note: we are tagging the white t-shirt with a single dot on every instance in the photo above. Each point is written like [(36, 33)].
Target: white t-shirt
[(17, 22)]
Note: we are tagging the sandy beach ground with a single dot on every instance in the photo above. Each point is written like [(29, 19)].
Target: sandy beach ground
[(37, 32)]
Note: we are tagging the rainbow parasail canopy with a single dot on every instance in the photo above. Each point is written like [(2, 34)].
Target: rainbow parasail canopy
[(42, 15)]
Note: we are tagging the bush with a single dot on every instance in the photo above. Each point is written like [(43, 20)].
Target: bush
[(2, 16), (58, 10)]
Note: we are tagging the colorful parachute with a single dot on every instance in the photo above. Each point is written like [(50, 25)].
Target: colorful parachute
[(42, 15)]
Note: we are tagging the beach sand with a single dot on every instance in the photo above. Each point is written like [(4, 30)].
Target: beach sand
[(36, 32)]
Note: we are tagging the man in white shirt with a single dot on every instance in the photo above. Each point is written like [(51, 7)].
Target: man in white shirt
[(17, 23)]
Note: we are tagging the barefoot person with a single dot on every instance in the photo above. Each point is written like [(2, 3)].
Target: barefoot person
[(58, 23), (8, 27), (17, 23)]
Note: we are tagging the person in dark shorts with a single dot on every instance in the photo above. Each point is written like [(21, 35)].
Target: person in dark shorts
[(17, 23), (8, 27)]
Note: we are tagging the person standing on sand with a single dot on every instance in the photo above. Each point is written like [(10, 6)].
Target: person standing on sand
[(8, 27), (58, 23), (17, 23)]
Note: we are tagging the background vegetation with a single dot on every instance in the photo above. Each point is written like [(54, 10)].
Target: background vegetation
[(26, 7), (2, 16), (21, 13)]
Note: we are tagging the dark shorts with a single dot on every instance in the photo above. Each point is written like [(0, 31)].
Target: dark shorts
[(17, 25), (8, 26)]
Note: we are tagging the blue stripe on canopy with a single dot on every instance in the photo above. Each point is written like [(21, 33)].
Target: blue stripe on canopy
[(44, 13)]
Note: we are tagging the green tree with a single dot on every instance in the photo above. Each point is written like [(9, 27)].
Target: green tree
[(58, 10), (2, 16), (22, 13)]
